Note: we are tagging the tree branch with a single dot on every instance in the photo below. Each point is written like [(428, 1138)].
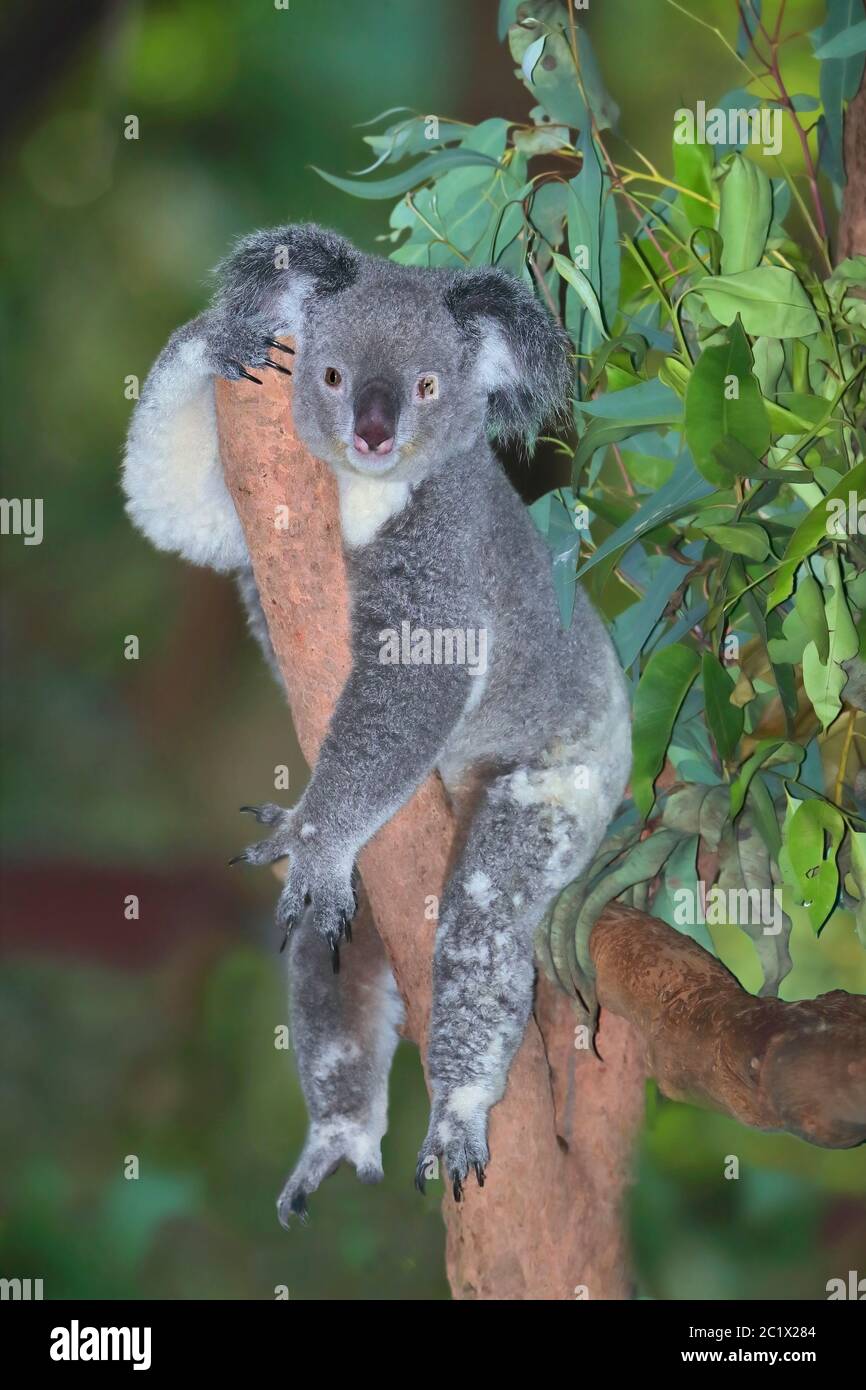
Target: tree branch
[(797, 1066)]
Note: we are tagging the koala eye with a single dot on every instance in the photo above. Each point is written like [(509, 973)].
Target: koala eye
[(427, 387), (332, 376)]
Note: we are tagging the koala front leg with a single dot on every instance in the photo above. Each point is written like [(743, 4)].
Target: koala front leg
[(388, 727), (344, 1032), (172, 476)]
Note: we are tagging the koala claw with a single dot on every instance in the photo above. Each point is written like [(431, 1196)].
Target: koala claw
[(268, 814), (459, 1146), (292, 1204), (323, 1153), (276, 846), (242, 371), (275, 343), (329, 904), (277, 367)]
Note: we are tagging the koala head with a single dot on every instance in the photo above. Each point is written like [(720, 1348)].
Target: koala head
[(399, 367)]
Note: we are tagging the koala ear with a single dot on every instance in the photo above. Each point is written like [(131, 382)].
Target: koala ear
[(522, 354), (272, 273)]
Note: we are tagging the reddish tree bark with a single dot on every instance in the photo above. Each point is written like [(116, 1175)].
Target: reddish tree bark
[(549, 1220), (852, 221)]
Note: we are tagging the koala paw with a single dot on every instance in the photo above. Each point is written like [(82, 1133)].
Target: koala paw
[(315, 880), (328, 896), (235, 344), (326, 1148), (456, 1144)]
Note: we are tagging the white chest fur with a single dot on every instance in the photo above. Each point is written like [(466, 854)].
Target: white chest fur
[(366, 504)]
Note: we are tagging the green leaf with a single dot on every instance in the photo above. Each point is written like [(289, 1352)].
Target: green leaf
[(788, 649), (638, 865), (812, 859), (554, 81), (677, 901), (693, 169), (677, 497), (764, 815), (542, 139), (824, 680), (531, 56), (745, 213), (555, 520), (839, 80), (858, 867), (741, 462), (675, 374), (815, 528), (397, 184), (769, 300), (809, 604), (624, 413), (846, 44), (851, 271), (723, 399), (744, 538), (725, 720), (776, 750), (663, 686), (579, 283)]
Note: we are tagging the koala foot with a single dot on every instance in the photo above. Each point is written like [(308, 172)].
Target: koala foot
[(460, 1142), (316, 880), (327, 1146), (232, 342)]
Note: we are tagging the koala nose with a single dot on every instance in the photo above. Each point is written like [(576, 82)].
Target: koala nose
[(376, 412)]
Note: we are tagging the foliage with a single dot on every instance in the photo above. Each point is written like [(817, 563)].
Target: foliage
[(716, 462)]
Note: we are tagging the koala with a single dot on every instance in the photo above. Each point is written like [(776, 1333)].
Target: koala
[(402, 376)]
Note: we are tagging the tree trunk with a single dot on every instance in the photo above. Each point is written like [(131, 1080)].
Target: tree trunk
[(549, 1219), (851, 240)]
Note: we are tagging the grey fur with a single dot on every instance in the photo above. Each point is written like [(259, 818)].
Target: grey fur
[(256, 620), (435, 538)]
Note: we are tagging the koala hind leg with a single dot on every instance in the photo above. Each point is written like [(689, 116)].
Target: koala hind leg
[(535, 829), (344, 1032)]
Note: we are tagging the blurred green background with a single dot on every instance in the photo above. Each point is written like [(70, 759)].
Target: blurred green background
[(154, 1037)]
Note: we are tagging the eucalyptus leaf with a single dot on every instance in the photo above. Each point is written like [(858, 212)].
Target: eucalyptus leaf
[(663, 686), (745, 212), (812, 840), (723, 399), (725, 719), (770, 301), (768, 751), (816, 528), (581, 285), (825, 679), (675, 498), (397, 184)]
